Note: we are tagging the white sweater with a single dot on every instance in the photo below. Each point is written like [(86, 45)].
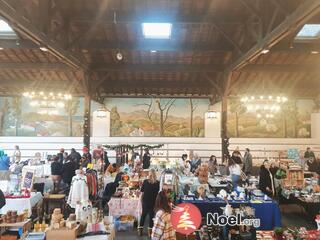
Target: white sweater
[(235, 169), (79, 191)]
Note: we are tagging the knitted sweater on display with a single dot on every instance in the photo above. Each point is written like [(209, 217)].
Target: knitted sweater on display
[(79, 190)]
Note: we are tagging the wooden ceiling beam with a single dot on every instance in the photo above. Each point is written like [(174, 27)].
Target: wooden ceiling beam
[(165, 45), (295, 20), (186, 68), (35, 66), (281, 68), (158, 16), (24, 26)]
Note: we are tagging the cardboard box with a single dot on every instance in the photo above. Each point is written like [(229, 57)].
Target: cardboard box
[(62, 233)]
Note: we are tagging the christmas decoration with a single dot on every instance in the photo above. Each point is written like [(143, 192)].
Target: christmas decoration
[(185, 218)]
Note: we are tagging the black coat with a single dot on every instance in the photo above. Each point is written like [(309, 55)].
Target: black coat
[(68, 171), (2, 199), (265, 180), (56, 168), (146, 161)]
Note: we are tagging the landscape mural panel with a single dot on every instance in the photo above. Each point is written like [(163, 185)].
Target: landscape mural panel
[(293, 121), (157, 117), (18, 118)]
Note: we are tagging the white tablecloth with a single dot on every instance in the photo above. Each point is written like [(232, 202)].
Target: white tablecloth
[(20, 204)]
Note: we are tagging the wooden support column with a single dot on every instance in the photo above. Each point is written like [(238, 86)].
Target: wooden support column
[(224, 121), (224, 114), (86, 123)]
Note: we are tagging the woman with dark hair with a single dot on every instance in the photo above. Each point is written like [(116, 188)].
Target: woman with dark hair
[(149, 189), (235, 173), (111, 188), (162, 228), (213, 165), (266, 179)]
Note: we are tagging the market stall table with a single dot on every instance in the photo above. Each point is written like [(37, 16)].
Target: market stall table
[(125, 206), (267, 211), (21, 204), (25, 226)]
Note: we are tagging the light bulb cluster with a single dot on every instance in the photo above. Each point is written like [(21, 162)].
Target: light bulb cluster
[(270, 98), (264, 106), (259, 115), (47, 96), (48, 103), (48, 112)]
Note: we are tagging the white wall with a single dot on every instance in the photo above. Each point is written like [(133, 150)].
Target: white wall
[(173, 147)]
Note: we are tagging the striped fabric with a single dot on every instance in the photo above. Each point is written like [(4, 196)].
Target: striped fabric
[(162, 228)]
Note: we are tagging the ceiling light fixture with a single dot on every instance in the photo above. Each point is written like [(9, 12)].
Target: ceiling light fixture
[(47, 103), (43, 49), (265, 51), (1, 48), (157, 30), (264, 106), (314, 52), (119, 56)]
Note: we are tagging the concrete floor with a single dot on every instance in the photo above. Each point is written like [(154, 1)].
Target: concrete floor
[(292, 216)]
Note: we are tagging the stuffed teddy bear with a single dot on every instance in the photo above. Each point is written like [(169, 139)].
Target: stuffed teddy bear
[(202, 172)]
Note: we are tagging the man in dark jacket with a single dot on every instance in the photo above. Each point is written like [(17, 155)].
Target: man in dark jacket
[(247, 162), (68, 171), (75, 156), (60, 155), (266, 180), (146, 159)]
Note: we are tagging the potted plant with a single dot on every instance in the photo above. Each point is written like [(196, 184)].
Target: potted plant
[(278, 232)]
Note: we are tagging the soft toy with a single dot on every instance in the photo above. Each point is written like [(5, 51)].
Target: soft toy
[(202, 172), (83, 210)]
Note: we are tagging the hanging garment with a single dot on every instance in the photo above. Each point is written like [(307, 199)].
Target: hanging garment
[(79, 190)]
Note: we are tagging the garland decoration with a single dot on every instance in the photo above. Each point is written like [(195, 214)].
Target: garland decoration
[(132, 147)]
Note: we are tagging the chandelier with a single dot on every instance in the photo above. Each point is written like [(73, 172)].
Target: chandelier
[(48, 103), (264, 106)]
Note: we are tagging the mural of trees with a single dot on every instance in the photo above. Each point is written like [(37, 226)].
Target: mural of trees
[(4, 116), (162, 107), (71, 108), (16, 113), (293, 121), (236, 108), (193, 106), (115, 122)]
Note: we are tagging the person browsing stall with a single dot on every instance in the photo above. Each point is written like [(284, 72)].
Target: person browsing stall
[(149, 189), (146, 159), (56, 171), (162, 228), (247, 162), (266, 179), (235, 173)]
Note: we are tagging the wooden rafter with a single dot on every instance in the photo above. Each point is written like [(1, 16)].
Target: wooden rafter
[(24, 26), (301, 15)]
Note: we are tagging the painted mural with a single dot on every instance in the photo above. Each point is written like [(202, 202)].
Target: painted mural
[(293, 121), (157, 117), (18, 118)]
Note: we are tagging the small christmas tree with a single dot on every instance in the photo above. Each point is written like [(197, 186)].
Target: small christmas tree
[(185, 221)]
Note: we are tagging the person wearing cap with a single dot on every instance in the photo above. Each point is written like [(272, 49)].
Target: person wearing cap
[(87, 154)]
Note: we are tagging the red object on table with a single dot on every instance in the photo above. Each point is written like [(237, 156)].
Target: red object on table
[(14, 197)]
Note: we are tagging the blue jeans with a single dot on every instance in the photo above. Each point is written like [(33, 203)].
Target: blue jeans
[(235, 179)]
